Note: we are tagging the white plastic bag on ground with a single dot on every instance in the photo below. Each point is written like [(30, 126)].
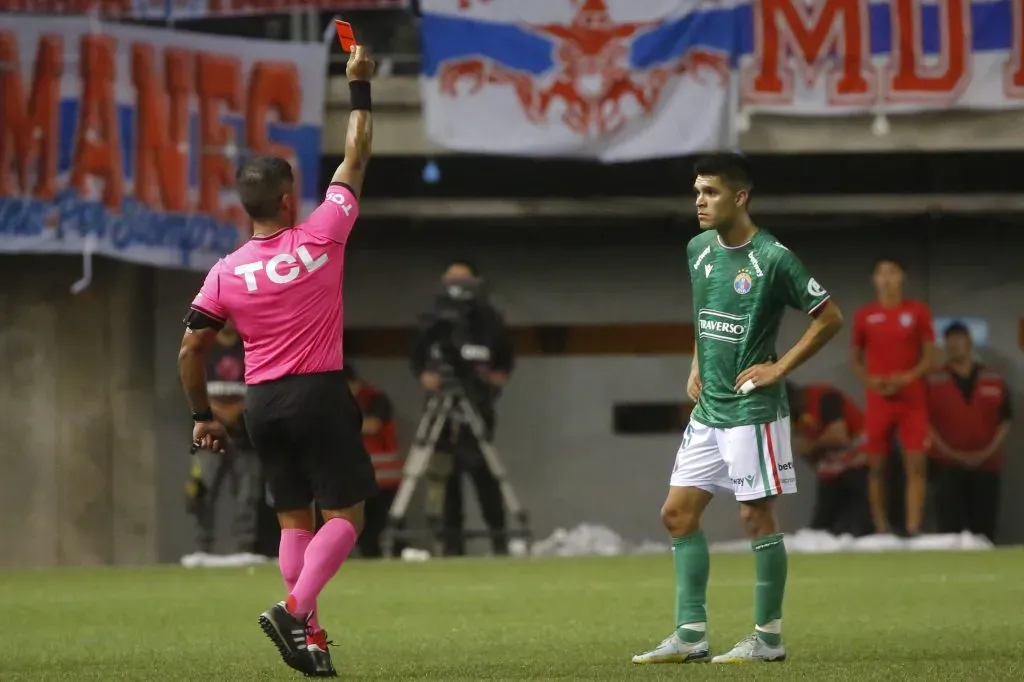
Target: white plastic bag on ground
[(589, 539), (204, 560), (808, 541)]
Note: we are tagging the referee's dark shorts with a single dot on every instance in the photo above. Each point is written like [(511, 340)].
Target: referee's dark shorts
[(307, 432)]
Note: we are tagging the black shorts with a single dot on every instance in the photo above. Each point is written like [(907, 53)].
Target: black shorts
[(307, 431)]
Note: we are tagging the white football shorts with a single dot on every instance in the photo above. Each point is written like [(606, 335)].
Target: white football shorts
[(753, 462)]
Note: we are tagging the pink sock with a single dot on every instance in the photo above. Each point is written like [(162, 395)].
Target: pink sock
[(290, 557), (325, 554)]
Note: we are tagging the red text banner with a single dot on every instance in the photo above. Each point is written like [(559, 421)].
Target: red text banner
[(834, 57), (127, 139), (191, 9)]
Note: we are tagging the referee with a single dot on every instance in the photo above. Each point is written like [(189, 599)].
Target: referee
[(283, 291)]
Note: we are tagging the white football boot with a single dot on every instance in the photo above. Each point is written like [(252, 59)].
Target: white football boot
[(674, 650), (753, 649)]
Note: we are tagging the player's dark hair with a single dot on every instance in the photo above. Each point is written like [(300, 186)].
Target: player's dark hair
[(731, 168), (888, 258), (262, 182), (956, 328), (466, 263)]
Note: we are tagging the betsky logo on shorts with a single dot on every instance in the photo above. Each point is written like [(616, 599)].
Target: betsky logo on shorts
[(785, 466), (713, 324)]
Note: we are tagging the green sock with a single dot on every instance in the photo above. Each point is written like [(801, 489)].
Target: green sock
[(693, 565), (770, 564)]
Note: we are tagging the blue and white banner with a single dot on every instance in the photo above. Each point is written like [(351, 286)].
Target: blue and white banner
[(127, 139), (631, 79), (614, 80)]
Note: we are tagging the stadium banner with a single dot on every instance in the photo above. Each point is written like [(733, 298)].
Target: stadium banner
[(127, 139), (613, 80), (840, 57), (190, 9)]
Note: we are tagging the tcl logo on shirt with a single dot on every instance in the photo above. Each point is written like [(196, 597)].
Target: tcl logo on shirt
[(281, 268), (339, 199)]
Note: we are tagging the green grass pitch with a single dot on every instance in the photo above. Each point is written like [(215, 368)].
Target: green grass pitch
[(902, 616)]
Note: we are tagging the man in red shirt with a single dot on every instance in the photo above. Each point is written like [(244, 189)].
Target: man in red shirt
[(893, 348), (970, 410), (380, 436), (828, 429)]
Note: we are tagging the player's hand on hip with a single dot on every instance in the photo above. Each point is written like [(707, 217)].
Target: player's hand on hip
[(759, 376), (693, 386), (210, 436), (361, 66)]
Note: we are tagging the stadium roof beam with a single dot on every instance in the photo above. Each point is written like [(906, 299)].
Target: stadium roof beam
[(649, 207)]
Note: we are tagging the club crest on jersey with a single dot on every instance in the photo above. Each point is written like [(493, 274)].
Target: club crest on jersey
[(743, 282), (906, 319)]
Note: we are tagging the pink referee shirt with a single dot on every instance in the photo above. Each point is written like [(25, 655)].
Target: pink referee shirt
[(283, 292)]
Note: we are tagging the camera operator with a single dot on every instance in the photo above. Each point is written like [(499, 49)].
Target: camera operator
[(463, 346)]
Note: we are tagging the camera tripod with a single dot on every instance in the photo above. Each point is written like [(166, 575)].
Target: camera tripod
[(440, 408)]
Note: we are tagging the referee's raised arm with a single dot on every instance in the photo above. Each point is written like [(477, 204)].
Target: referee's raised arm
[(360, 123)]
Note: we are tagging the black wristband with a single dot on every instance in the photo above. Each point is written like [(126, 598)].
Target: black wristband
[(359, 95), (202, 415)]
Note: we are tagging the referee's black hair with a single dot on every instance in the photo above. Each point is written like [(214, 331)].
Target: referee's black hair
[(466, 263), (732, 168), (262, 182), (888, 258)]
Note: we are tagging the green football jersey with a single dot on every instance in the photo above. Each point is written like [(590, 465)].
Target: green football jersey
[(739, 297)]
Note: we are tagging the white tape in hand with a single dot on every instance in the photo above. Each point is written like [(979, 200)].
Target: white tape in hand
[(747, 387)]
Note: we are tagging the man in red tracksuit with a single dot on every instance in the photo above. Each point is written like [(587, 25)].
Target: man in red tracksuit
[(970, 409), (893, 349), (380, 437), (828, 430)]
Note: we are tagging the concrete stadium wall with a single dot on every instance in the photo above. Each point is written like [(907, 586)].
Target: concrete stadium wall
[(94, 426), (76, 414)]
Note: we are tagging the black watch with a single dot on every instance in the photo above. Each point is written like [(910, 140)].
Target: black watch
[(202, 415)]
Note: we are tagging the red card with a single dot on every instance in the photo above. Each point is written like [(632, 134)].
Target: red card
[(345, 35)]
